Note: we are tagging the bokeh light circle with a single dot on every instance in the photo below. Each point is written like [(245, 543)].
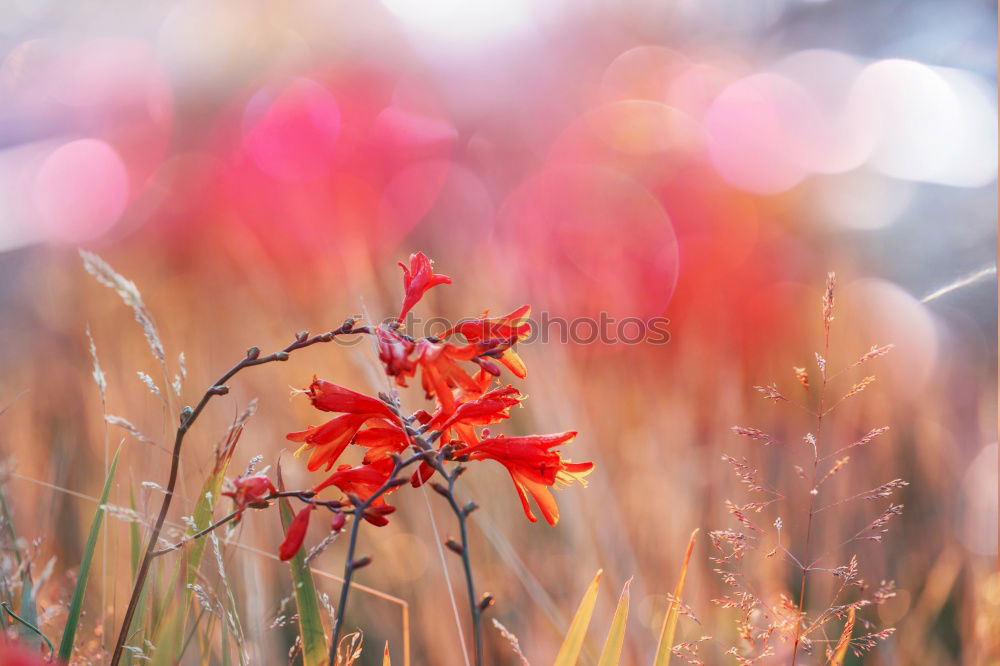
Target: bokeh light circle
[(80, 190)]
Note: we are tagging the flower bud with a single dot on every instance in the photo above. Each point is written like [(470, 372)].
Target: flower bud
[(338, 521), (486, 602), (361, 562), (296, 534)]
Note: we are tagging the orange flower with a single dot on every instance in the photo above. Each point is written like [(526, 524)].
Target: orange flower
[(296, 533), (417, 279), (533, 467), (512, 328), (329, 440)]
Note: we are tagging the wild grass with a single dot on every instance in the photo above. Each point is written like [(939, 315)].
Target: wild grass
[(223, 621)]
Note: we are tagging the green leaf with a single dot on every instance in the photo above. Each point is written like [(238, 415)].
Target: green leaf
[(573, 643), (310, 620), (76, 603), (669, 628), (612, 652)]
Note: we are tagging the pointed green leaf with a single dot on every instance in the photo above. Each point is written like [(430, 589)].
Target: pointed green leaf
[(76, 603), (669, 628), (573, 643), (310, 620), (612, 652)]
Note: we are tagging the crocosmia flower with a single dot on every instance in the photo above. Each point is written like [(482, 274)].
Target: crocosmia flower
[(534, 467), (512, 328), (362, 481), (394, 351), (328, 441), (248, 490), (417, 279)]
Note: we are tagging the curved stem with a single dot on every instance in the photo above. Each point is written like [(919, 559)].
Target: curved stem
[(349, 561), (475, 610), (188, 418)]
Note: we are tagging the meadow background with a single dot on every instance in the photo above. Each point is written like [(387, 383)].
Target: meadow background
[(259, 168)]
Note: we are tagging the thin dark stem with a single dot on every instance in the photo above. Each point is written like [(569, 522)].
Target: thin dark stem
[(350, 563), (188, 418), (462, 515)]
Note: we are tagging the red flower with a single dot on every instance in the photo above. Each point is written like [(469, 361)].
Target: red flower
[(249, 489), (533, 467), (382, 441), (296, 533), (512, 327), (328, 397), (329, 440), (440, 371), (394, 352), (362, 481), (490, 408), (12, 654), (417, 279)]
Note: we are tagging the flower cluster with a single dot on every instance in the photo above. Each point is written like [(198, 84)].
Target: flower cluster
[(462, 380)]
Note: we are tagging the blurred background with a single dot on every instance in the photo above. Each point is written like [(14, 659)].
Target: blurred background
[(259, 168)]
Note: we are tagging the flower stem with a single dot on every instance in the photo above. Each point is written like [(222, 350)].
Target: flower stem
[(188, 418), (349, 561)]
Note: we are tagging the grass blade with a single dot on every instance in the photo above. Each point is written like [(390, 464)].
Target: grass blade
[(573, 643), (76, 603), (840, 653), (612, 653), (310, 620), (28, 626), (666, 644)]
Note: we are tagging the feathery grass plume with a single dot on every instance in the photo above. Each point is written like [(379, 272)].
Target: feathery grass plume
[(127, 426), (97, 373), (782, 624), (511, 639), (150, 384), (130, 295)]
